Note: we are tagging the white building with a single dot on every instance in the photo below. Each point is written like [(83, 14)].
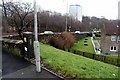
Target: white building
[(119, 10), (76, 12)]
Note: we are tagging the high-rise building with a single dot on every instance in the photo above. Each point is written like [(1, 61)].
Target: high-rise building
[(75, 12), (119, 10)]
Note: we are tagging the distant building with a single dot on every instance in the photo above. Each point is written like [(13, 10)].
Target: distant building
[(76, 12), (119, 10), (110, 38)]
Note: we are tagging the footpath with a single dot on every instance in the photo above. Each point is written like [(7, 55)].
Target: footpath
[(96, 46), (19, 69)]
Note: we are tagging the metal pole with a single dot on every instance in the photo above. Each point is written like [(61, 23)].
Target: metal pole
[(35, 21), (36, 42), (66, 18)]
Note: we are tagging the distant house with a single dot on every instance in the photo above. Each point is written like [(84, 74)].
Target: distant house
[(110, 38)]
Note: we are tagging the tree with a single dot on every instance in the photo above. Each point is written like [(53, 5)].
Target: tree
[(18, 15)]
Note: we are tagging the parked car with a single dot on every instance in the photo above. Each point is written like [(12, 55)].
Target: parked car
[(105, 53), (48, 32), (77, 32)]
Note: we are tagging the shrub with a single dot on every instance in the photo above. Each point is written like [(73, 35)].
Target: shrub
[(89, 55), (97, 34), (99, 57), (89, 34), (114, 60), (63, 41)]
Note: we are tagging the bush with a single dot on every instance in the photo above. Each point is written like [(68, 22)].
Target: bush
[(14, 50), (63, 41), (97, 34), (89, 34)]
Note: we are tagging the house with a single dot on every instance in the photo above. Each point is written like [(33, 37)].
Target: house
[(110, 38)]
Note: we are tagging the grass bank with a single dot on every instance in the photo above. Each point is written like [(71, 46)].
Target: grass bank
[(84, 48), (75, 66)]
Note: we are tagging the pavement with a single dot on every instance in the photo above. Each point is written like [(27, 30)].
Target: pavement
[(19, 69), (97, 46)]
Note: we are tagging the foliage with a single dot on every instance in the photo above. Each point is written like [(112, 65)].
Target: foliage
[(75, 66), (63, 41), (13, 50), (89, 34), (97, 34), (18, 15), (114, 60), (98, 39)]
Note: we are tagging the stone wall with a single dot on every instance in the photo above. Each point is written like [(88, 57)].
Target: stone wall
[(106, 43)]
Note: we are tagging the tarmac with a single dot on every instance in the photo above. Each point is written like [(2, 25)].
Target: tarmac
[(14, 68)]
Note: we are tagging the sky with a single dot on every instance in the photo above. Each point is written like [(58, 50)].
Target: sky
[(97, 8)]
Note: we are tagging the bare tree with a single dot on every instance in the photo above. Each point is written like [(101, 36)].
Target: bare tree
[(18, 15)]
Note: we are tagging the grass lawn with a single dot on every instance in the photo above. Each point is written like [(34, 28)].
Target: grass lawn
[(81, 47), (71, 65)]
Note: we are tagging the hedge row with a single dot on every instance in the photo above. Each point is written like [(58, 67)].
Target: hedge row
[(104, 58), (13, 47)]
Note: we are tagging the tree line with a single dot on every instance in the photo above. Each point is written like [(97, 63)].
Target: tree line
[(20, 17)]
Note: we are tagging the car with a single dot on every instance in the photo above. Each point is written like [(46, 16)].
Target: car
[(78, 32), (105, 53), (48, 32)]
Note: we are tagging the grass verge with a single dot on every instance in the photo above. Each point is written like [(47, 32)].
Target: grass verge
[(75, 66)]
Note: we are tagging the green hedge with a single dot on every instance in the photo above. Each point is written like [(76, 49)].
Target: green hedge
[(89, 34), (104, 58), (111, 60), (13, 47), (97, 34), (99, 57), (89, 55)]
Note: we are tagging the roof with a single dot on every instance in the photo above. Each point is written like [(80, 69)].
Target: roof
[(112, 28)]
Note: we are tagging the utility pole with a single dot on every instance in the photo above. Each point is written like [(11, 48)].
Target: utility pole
[(36, 42)]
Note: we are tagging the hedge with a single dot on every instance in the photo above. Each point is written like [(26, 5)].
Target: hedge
[(13, 47), (104, 58)]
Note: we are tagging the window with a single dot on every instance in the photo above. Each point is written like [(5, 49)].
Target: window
[(118, 38), (113, 48), (113, 38)]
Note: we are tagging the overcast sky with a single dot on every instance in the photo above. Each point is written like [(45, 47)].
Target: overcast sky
[(98, 8)]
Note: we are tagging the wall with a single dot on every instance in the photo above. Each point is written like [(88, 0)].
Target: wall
[(106, 43), (48, 36)]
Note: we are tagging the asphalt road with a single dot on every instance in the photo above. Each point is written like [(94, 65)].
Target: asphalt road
[(19, 69)]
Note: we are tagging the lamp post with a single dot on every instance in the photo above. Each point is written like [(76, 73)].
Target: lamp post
[(36, 42), (66, 17)]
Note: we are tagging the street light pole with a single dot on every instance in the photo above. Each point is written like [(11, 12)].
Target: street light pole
[(36, 42), (66, 18)]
